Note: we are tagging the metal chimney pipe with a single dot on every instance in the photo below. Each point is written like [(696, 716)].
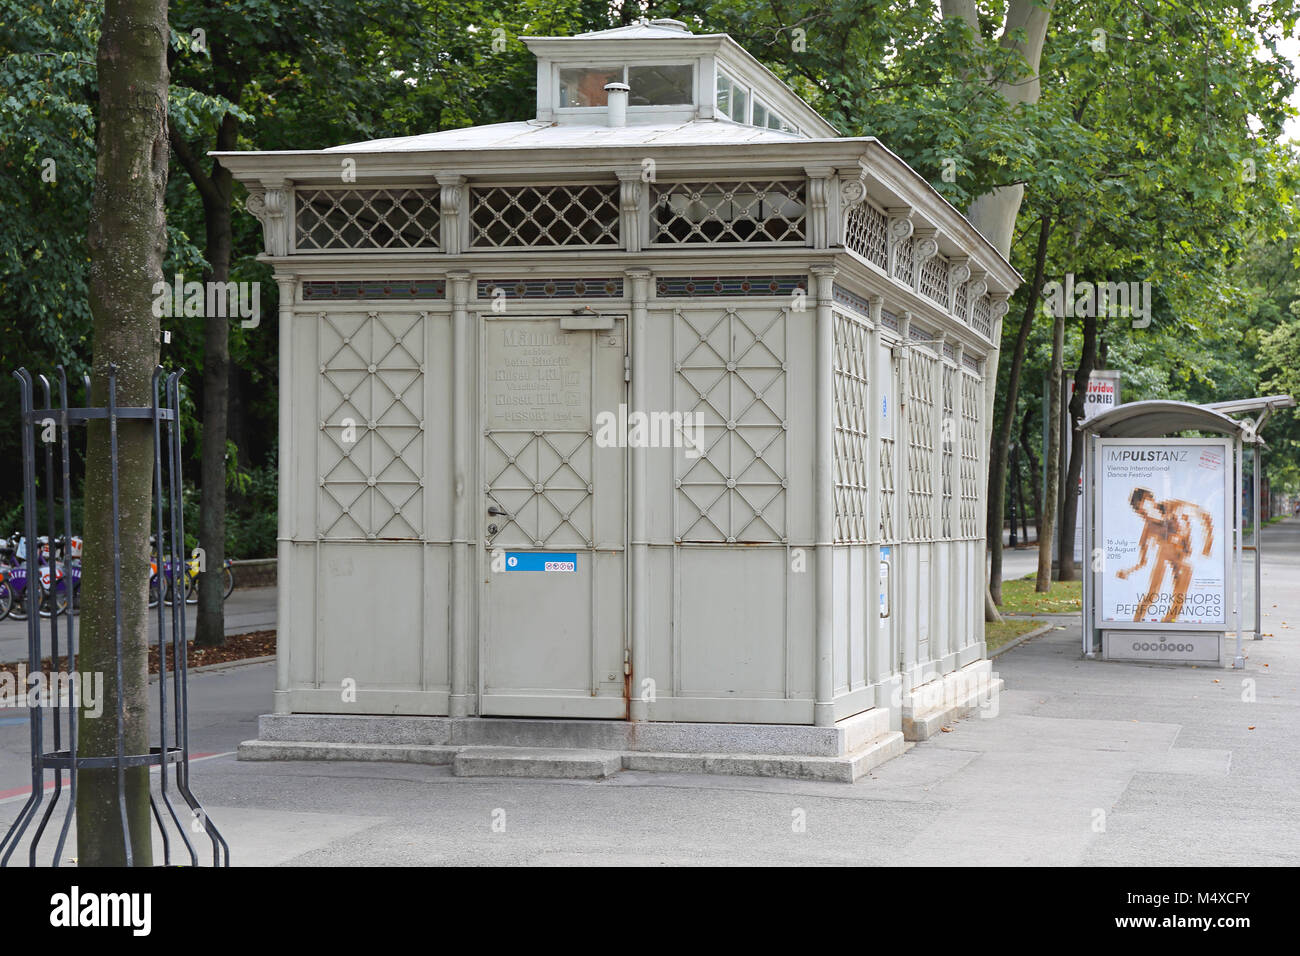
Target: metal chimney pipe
[(617, 103)]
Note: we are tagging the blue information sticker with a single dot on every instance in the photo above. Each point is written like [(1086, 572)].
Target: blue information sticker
[(541, 561)]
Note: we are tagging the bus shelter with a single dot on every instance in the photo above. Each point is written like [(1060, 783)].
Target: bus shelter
[(1164, 523)]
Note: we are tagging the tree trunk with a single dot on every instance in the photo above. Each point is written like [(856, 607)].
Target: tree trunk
[(1051, 493), (1024, 500), (994, 214), (998, 448), (1035, 485), (127, 238), (210, 629), (216, 190), (1078, 402)]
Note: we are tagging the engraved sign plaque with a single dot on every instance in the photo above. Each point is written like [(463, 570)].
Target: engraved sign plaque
[(538, 377)]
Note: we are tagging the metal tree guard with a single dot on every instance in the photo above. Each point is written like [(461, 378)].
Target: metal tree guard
[(172, 750)]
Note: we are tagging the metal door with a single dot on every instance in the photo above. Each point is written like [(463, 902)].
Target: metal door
[(553, 518)]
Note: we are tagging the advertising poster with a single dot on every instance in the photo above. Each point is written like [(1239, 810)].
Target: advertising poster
[(1103, 395), (1164, 526)]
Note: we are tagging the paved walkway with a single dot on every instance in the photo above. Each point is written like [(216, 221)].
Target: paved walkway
[(247, 609), (1086, 763)]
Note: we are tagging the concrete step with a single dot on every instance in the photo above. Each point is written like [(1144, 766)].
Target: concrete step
[(329, 750), (841, 769), (536, 762), (840, 740), (938, 703)]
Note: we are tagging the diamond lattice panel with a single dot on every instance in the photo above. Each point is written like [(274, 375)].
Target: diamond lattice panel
[(852, 437), (526, 216), (729, 212), (731, 373), (542, 480), (348, 219), (371, 450), (920, 446)]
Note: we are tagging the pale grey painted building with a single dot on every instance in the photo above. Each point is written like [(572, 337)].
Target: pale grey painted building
[(464, 313)]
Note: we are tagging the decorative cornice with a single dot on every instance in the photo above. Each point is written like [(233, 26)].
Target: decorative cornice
[(926, 245), (900, 223)]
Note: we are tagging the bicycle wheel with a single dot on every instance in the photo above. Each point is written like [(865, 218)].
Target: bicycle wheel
[(229, 583), (56, 603), (153, 591), (6, 600)]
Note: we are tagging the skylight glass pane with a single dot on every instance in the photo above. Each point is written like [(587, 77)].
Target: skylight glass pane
[(739, 102), (661, 85), (586, 86), (724, 94)]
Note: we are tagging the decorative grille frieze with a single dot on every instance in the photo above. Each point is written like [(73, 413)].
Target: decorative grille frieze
[(866, 233), (731, 373), (853, 416), (981, 318), (595, 288), (934, 280), (903, 256), (674, 287), (368, 289), (729, 212), (348, 220), (370, 454), (505, 217)]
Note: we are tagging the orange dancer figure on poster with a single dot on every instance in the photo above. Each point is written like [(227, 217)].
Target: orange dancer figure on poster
[(1166, 524)]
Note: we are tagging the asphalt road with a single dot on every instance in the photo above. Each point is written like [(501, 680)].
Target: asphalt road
[(1085, 763), (247, 609)]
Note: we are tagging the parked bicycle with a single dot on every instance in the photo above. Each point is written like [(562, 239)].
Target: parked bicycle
[(59, 580), (189, 580)]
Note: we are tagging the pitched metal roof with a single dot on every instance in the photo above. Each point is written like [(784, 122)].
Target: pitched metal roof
[(533, 134)]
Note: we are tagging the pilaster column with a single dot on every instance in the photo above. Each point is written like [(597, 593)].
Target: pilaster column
[(638, 281), (464, 411), (823, 279), (286, 497)]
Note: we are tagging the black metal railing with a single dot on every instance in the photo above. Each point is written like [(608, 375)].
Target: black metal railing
[(54, 427)]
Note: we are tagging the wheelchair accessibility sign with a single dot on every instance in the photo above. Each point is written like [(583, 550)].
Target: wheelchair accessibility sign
[(541, 561)]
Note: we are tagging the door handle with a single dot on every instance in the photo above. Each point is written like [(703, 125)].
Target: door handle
[(498, 512)]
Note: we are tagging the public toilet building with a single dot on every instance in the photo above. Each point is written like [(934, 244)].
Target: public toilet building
[(666, 406)]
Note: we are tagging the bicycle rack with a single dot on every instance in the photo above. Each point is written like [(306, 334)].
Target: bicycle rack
[(173, 701)]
